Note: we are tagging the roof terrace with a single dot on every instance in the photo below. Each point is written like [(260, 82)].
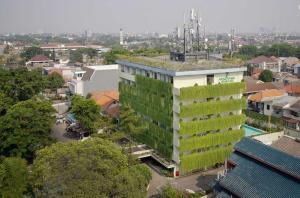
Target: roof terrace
[(164, 63)]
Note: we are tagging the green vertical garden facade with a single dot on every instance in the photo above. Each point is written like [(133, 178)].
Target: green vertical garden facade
[(153, 100), (210, 119)]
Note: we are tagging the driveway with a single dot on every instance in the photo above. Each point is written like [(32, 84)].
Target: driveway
[(196, 182), (59, 132)]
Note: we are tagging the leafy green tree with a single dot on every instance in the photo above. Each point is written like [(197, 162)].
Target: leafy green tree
[(54, 81), (77, 55), (130, 122), (21, 84), (111, 56), (86, 112), (5, 103), (13, 177), (26, 128), (248, 50), (266, 76), (30, 52), (170, 192), (92, 168)]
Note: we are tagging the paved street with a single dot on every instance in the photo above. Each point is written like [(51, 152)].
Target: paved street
[(59, 132), (195, 182)]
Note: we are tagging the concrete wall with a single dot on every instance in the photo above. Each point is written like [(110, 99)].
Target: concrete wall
[(102, 80), (269, 138)]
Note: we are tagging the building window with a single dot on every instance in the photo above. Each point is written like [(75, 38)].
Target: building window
[(210, 79), (155, 75), (268, 107), (147, 74), (122, 68)]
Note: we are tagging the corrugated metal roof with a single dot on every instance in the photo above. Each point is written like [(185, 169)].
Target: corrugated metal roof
[(270, 156), (250, 179)]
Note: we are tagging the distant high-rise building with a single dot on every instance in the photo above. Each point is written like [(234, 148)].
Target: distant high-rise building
[(121, 37)]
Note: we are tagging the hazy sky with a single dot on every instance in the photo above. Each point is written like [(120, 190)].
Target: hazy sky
[(57, 16)]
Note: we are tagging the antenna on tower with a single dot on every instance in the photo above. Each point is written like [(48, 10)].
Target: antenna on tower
[(184, 36), (198, 33)]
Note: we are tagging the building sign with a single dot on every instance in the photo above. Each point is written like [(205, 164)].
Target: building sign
[(226, 79)]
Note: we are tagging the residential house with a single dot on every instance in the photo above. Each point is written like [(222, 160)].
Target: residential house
[(94, 78), (39, 61), (256, 170), (278, 105), (262, 101), (108, 101), (264, 62), (296, 70), (293, 88), (67, 72), (253, 88), (288, 145), (291, 117), (284, 77)]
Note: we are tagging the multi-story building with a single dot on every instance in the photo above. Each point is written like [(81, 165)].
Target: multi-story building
[(193, 111)]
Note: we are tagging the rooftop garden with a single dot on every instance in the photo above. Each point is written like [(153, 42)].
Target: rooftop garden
[(164, 62)]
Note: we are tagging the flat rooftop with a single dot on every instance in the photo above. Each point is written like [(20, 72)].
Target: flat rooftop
[(164, 62)]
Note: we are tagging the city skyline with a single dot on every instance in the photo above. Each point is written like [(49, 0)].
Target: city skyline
[(33, 16)]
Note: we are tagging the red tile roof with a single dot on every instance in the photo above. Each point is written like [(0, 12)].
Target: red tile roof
[(108, 101), (262, 95), (40, 58), (261, 59), (293, 88)]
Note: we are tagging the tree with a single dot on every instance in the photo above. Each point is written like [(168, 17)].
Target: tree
[(26, 128), (76, 56), (86, 112), (248, 50), (21, 84), (130, 122), (266, 76), (170, 192), (30, 52), (92, 168), (54, 81), (5, 103), (13, 177)]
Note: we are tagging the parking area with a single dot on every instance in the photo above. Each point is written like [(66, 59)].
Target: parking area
[(195, 182), (59, 132)]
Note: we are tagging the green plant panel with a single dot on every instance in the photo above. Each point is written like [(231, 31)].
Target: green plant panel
[(158, 139), (208, 91), (153, 99), (210, 140), (204, 160), (213, 107), (202, 126)]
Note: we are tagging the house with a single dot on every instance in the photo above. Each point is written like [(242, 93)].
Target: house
[(255, 170), (189, 108), (284, 77), (94, 78), (280, 104), (108, 101), (262, 101), (264, 62), (293, 88), (253, 88), (296, 69), (67, 72), (39, 61), (288, 145), (291, 117)]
